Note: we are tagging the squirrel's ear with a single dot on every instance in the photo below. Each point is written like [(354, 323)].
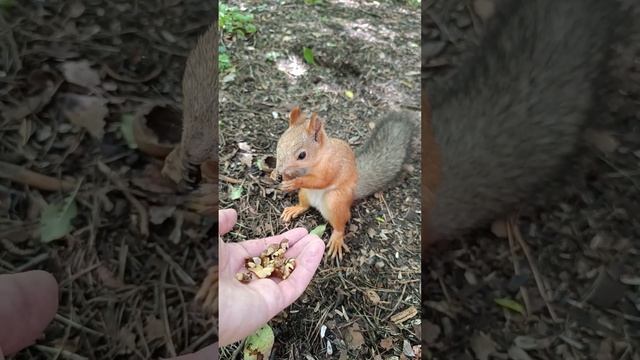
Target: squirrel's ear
[(294, 116), (316, 128)]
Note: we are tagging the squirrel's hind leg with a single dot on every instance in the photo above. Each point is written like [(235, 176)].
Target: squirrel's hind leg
[(338, 217), (293, 212)]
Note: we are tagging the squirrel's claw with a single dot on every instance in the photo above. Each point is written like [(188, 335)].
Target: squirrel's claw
[(336, 245)]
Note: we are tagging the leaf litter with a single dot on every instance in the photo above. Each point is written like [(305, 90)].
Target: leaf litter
[(77, 69)]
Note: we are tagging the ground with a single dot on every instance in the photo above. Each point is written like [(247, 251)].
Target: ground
[(367, 62), (582, 246), (130, 266)]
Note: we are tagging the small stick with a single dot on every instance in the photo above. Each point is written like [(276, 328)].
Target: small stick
[(64, 353), (512, 246), (536, 273), (43, 182), (142, 211)]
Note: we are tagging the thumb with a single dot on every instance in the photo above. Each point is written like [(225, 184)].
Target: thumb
[(28, 303)]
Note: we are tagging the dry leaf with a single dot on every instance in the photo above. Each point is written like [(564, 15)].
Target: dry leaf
[(386, 343), (516, 353), (482, 345), (153, 328), (86, 111), (80, 73), (354, 337), (76, 9), (246, 159), (430, 332), (158, 214), (244, 146), (372, 296), (484, 8), (108, 279), (407, 349), (32, 104)]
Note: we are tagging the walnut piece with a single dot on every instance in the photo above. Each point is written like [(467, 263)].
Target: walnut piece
[(270, 263)]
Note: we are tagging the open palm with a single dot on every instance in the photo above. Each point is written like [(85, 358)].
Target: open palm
[(243, 308)]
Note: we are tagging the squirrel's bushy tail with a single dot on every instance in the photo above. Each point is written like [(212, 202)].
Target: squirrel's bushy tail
[(512, 115), (380, 158)]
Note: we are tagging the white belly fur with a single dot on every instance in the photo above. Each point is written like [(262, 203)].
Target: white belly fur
[(316, 200)]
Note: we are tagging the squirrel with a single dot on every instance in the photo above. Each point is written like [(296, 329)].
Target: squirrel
[(330, 176), (199, 137), (511, 118)]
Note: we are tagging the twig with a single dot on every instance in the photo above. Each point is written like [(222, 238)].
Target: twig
[(43, 182), (237, 351), (523, 291), (64, 353), (32, 262), (171, 348), (536, 273), (179, 271), (388, 210), (74, 324), (229, 179), (142, 211)]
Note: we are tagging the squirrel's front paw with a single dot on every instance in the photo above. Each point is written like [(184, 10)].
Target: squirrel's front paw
[(289, 185), (292, 212)]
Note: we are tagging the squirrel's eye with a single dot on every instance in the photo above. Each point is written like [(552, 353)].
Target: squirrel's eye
[(302, 155)]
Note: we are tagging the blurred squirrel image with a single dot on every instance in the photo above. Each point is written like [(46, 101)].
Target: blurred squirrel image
[(512, 116)]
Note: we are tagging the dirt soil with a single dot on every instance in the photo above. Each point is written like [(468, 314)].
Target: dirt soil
[(370, 49), (71, 73), (582, 247)]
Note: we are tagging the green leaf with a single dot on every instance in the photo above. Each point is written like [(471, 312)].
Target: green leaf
[(308, 56), (380, 219), (224, 62), (55, 220), (126, 128), (250, 28), (319, 230), (348, 94), (259, 345), (236, 192), (510, 304)]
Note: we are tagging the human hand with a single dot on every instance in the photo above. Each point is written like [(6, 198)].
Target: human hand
[(28, 303), (243, 308)]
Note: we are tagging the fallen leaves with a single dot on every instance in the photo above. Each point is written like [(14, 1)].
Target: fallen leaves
[(482, 345), (354, 337), (56, 218), (80, 73), (85, 111)]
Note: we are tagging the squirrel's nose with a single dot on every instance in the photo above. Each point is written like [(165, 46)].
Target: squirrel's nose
[(276, 176)]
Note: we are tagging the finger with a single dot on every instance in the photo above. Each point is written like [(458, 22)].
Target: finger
[(296, 249), (28, 303), (227, 218), (255, 247), (208, 353), (307, 263)]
